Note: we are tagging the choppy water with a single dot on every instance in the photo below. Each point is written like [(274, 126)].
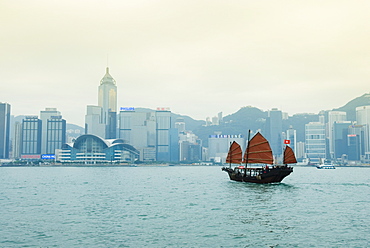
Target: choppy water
[(181, 207)]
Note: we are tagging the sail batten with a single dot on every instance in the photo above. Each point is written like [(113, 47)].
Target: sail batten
[(235, 154), (258, 151)]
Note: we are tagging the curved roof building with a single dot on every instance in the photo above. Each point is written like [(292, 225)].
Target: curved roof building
[(90, 148)]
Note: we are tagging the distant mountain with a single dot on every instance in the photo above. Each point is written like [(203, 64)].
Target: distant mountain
[(74, 131), (253, 118), (238, 123), (350, 107), (190, 123), (298, 122)]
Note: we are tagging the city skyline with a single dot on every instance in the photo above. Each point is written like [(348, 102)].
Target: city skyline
[(197, 58)]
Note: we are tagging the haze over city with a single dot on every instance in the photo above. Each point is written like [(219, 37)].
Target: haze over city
[(196, 57)]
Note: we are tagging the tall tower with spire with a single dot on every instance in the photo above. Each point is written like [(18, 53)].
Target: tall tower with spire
[(107, 100)]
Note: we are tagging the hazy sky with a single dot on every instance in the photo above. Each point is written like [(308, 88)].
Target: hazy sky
[(196, 57)]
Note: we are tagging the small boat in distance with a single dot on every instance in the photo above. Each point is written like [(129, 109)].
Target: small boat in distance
[(325, 165), (258, 151)]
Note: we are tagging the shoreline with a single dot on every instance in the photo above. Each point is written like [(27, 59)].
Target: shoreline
[(156, 165)]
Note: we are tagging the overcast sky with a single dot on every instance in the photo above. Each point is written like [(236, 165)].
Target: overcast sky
[(196, 57)]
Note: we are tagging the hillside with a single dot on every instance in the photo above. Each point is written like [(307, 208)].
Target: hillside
[(350, 107), (238, 123)]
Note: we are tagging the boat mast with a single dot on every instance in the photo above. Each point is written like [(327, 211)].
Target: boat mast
[(247, 151), (230, 157)]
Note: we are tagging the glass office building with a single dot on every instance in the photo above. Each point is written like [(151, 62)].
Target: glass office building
[(31, 138), (4, 130), (315, 141)]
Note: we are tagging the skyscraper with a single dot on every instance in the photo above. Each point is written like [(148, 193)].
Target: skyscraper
[(339, 139), (107, 100), (274, 131), (16, 143), (48, 131), (31, 138), (291, 135), (150, 133), (363, 118), (355, 141), (56, 134), (334, 117), (93, 121), (315, 141), (4, 130), (163, 135)]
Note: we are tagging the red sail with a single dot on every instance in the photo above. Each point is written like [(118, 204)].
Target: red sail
[(235, 154), (258, 151), (289, 157)]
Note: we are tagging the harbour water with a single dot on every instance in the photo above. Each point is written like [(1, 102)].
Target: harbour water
[(190, 206)]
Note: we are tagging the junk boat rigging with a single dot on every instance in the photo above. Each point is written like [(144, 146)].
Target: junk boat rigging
[(258, 151)]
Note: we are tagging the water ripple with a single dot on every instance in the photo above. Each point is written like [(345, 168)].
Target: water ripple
[(181, 207)]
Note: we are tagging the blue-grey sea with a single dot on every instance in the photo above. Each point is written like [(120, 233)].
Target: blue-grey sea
[(181, 206)]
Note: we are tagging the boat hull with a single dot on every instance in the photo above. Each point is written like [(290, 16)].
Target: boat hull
[(257, 175), (325, 167)]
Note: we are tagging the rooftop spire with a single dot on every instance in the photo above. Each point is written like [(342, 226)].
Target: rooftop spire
[(107, 79)]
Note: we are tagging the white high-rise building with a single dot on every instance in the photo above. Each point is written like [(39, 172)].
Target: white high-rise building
[(291, 135), (107, 100), (219, 144), (101, 120), (315, 141)]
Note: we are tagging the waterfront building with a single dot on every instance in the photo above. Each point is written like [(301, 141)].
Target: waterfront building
[(274, 129), (163, 139), (53, 130), (55, 134), (334, 117), (150, 133), (190, 147), (315, 140), (191, 152), (17, 140), (31, 138), (4, 130), (339, 139), (219, 144), (356, 142), (92, 149)]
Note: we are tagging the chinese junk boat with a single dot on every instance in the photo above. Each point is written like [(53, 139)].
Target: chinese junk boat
[(258, 152)]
